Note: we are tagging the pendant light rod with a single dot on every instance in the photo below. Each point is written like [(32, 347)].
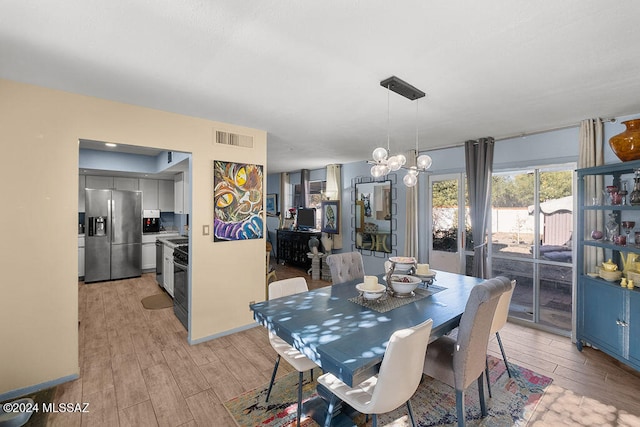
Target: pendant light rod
[(403, 88)]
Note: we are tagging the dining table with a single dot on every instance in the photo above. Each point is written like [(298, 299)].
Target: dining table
[(347, 335)]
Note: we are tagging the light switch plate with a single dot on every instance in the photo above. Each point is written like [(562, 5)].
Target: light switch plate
[(205, 230)]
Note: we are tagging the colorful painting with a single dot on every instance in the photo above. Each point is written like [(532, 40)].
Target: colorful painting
[(237, 201)]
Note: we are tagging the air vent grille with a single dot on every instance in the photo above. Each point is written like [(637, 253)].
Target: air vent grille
[(228, 138)]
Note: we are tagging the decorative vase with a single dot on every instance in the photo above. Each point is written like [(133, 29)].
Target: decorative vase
[(612, 228), (626, 145), (634, 197)]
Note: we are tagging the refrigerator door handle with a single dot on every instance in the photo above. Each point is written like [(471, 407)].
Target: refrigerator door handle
[(111, 209)]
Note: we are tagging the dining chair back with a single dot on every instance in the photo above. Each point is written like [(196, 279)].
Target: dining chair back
[(397, 379), (458, 362), (345, 267), (279, 289)]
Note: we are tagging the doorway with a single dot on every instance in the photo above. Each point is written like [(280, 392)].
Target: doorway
[(446, 195)]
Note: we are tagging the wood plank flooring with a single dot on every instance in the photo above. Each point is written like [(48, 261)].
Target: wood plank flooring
[(138, 370)]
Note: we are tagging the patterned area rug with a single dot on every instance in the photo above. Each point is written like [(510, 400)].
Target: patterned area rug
[(434, 404)]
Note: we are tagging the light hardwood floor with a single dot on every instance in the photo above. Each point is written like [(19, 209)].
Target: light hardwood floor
[(138, 370)]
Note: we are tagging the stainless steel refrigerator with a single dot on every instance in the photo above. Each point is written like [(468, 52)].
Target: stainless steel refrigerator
[(113, 235)]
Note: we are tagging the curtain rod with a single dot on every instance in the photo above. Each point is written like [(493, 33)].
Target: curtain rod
[(522, 135)]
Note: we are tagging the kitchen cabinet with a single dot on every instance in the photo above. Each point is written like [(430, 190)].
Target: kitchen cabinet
[(168, 269), (608, 315), (148, 251), (149, 188), (99, 182), (128, 184), (82, 180), (166, 199), (81, 256), (182, 193)]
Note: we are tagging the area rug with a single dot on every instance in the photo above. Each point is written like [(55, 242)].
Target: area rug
[(157, 301), (434, 404)]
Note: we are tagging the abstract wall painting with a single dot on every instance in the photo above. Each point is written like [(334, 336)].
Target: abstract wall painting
[(237, 201)]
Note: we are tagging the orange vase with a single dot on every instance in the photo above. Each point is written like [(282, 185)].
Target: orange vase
[(626, 145)]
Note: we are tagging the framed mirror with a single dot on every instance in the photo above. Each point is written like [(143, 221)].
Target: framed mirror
[(373, 216)]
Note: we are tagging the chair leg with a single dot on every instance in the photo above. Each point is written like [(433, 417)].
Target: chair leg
[(273, 377), (413, 421), (299, 398), (483, 404), (375, 421), (486, 372), (504, 356), (460, 407)]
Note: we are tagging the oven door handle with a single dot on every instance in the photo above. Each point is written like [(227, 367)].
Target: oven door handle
[(180, 265)]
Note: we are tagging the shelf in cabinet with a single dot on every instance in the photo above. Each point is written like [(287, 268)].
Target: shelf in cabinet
[(607, 245), (611, 208)]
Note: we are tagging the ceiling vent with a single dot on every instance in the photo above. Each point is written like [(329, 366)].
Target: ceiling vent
[(228, 138)]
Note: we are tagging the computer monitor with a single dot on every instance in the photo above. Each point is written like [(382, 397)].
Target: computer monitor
[(306, 218)]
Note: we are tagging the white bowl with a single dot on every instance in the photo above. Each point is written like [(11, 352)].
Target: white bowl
[(371, 294), (404, 284)]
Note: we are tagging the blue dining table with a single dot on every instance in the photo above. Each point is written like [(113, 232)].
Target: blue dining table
[(348, 339)]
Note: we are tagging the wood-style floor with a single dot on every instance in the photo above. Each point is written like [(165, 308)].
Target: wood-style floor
[(138, 370)]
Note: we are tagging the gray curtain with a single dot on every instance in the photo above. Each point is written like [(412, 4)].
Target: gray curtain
[(479, 162)]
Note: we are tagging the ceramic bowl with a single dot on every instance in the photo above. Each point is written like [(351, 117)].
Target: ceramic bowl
[(371, 294), (404, 284)]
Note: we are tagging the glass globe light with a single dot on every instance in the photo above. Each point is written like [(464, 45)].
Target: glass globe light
[(410, 180), (394, 163), (376, 172), (384, 169), (379, 154), (424, 161), (402, 158), (413, 171)]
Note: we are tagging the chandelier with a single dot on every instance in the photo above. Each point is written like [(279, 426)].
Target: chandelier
[(382, 162)]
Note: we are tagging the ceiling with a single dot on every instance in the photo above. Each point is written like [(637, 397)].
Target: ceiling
[(308, 73)]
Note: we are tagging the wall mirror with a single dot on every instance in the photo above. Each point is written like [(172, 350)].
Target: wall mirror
[(373, 216)]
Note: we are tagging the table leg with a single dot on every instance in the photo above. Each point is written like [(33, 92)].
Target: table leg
[(317, 407)]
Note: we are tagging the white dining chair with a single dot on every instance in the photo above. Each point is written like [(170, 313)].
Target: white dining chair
[(345, 266), (398, 379), (297, 360), (458, 362), (499, 320)]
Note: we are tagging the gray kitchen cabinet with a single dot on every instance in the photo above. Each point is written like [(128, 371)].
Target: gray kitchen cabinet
[(180, 193), (148, 250), (99, 182), (128, 184), (149, 188), (166, 200)]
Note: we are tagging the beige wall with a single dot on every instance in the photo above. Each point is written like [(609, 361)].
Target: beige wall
[(39, 132)]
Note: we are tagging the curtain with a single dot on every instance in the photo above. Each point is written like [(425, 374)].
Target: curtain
[(333, 192), (592, 154), (479, 165), (411, 230)]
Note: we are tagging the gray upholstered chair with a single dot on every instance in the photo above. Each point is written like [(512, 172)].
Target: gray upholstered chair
[(397, 380), (345, 267), (499, 320), (299, 361), (458, 362)]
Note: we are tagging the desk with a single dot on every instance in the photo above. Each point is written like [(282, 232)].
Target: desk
[(349, 340)]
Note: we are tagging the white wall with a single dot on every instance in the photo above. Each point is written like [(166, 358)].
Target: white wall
[(39, 130)]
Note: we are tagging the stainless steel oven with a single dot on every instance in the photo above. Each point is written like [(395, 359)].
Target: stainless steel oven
[(181, 284)]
